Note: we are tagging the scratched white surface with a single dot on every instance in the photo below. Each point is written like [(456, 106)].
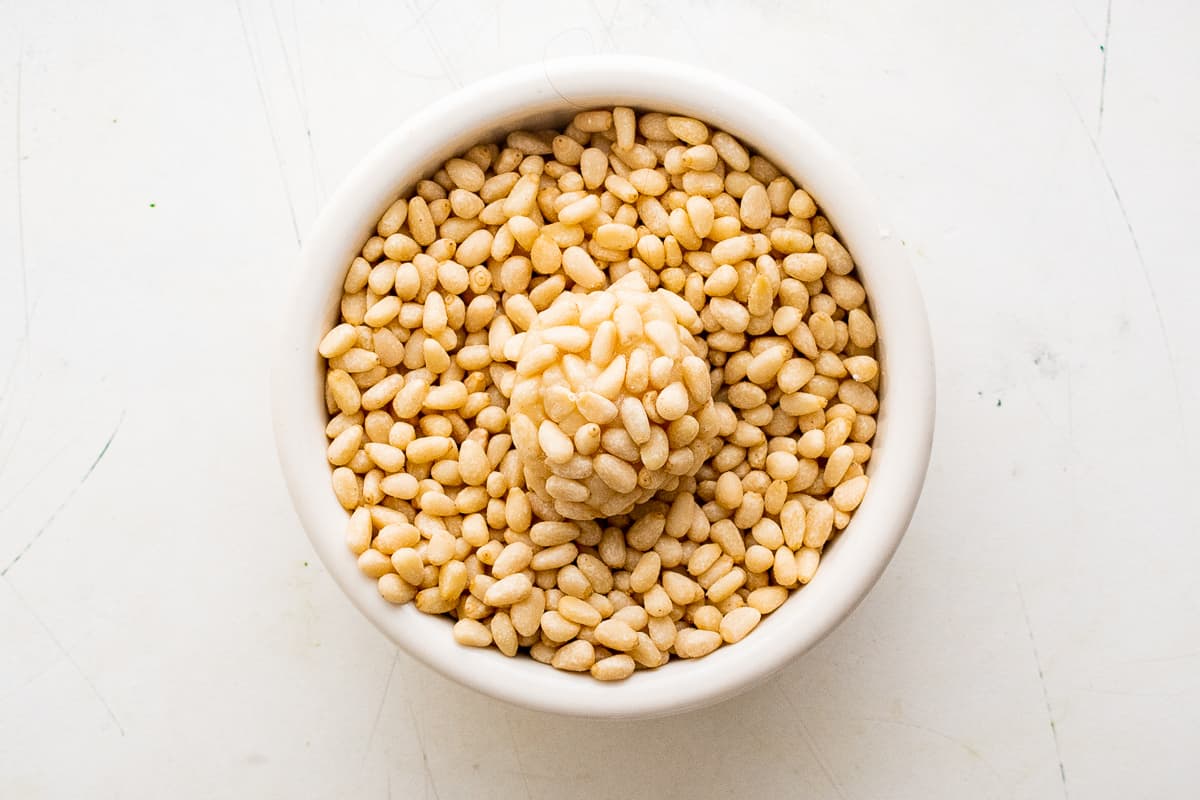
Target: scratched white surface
[(164, 628)]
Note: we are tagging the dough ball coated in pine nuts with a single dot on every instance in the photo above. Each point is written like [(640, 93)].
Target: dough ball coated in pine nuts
[(623, 361)]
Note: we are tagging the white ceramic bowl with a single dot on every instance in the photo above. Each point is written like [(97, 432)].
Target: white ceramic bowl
[(547, 95)]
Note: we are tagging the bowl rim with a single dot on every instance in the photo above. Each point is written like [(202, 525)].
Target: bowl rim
[(904, 441)]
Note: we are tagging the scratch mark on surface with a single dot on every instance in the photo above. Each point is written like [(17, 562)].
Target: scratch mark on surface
[(941, 735), (297, 86), (22, 353), (1037, 659), (1104, 67), (300, 94), (14, 691), (811, 742), (21, 203), (15, 440), (67, 655), (8, 379), (33, 475), (1083, 21), (70, 495), (262, 97), (435, 46), (20, 359), (387, 685), (1143, 269), (605, 23), (512, 741), (429, 780), (400, 69), (612, 18)]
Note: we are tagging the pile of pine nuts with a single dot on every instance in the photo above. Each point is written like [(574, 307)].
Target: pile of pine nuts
[(601, 394), (613, 399)]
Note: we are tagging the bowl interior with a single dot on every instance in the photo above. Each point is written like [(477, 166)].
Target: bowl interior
[(547, 96)]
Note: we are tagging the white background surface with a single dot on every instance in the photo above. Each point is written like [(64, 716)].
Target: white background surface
[(164, 628)]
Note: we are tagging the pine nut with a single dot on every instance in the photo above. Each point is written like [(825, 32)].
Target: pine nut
[(346, 488), (731, 151), (737, 624), (692, 131), (578, 656), (767, 599), (471, 633), (807, 560), (395, 590), (504, 634), (578, 611), (849, 494), (648, 182), (509, 590), (693, 643), (616, 635), (613, 668)]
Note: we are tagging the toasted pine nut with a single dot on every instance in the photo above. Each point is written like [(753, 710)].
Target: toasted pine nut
[(737, 624), (694, 643), (509, 590), (472, 633), (577, 656), (613, 668)]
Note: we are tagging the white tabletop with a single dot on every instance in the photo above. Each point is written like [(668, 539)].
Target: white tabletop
[(164, 627)]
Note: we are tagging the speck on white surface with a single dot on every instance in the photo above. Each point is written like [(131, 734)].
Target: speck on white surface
[(164, 627)]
